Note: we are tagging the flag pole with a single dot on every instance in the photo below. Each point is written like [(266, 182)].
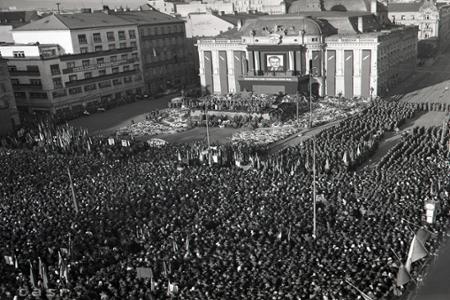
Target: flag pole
[(314, 189), (365, 296), (75, 204), (207, 128)]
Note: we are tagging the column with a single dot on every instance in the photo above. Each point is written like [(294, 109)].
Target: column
[(298, 62), (251, 62), (308, 57), (216, 70), (202, 69), (257, 62), (291, 61), (231, 71), (339, 71), (357, 64)]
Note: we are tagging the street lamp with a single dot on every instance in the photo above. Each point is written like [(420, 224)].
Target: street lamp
[(340, 96), (371, 93)]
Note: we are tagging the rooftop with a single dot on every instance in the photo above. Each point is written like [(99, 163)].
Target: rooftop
[(75, 21), (409, 6), (17, 18), (146, 17), (235, 18)]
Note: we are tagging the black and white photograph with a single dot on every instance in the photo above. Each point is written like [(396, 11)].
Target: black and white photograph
[(224, 149)]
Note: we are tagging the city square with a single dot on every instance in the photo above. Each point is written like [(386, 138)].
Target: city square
[(225, 150)]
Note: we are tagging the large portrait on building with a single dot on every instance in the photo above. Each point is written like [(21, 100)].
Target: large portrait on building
[(275, 62)]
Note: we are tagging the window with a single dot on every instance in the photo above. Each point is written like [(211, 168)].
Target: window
[(87, 75), (70, 65), (314, 39), (126, 68), (15, 81), (115, 70), (98, 48), (57, 83), (134, 55), (132, 34), (133, 44), (90, 87), (12, 68), (111, 46), (113, 59), (60, 93), (427, 17), (33, 68), (110, 36), (85, 63), (100, 61), (117, 81), (84, 50), (101, 72), (75, 90), (97, 38), (22, 95), (18, 54), (127, 79), (124, 56), (121, 35), (403, 17), (82, 39), (136, 67), (73, 77), (54, 69), (123, 45), (38, 95), (104, 84), (36, 82)]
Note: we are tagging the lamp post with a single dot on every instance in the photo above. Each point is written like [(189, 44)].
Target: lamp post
[(371, 94), (314, 190)]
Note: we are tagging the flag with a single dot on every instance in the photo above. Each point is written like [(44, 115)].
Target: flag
[(423, 235), (144, 273), (363, 295), (40, 267), (64, 271), (154, 52), (111, 141), (9, 260), (164, 269), (152, 284), (416, 252), (32, 276), (358, 151), (403, 276), (327, 165), (16, 262), (174, 246), (60, 260), (44, 276), (289, 233), (179, 156), (124, 143), (345, 158), (75, 203), (280, 234), (172, 289)]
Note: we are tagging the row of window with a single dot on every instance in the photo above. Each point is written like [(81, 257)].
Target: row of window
[(98, 48), (164, 29), (110, 36), (412, 17), (163, 42), (34, 82), (29, 68), (101, 60)]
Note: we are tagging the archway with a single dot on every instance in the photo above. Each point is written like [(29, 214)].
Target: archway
[(339, 7), (315, 88)]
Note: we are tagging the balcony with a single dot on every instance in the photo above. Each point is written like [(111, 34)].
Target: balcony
[(27, 87), (100, 78), (69, 57), (25, 73), (271, 76), (101, 66)]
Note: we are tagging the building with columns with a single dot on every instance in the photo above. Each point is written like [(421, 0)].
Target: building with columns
[(433, 19), (344, 53)]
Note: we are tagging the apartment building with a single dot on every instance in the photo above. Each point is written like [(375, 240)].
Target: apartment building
[(9, 117), (68, 63)]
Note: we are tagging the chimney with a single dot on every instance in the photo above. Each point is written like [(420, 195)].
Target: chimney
[(360, 24), (239, 25), (106, 9), (373, 7)]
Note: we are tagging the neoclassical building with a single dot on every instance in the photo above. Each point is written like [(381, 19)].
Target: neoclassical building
[(344, 53)]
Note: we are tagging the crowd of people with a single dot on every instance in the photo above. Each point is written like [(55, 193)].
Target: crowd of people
[(80, 215)]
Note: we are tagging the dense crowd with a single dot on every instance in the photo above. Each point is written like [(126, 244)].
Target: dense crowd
[(218, 231)]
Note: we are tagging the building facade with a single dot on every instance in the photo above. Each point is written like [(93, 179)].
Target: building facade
[(432, 19), (12, 19), (282, 53), (163, 6), (9, 117), (166, 55), (65, 63), (271, 7)]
